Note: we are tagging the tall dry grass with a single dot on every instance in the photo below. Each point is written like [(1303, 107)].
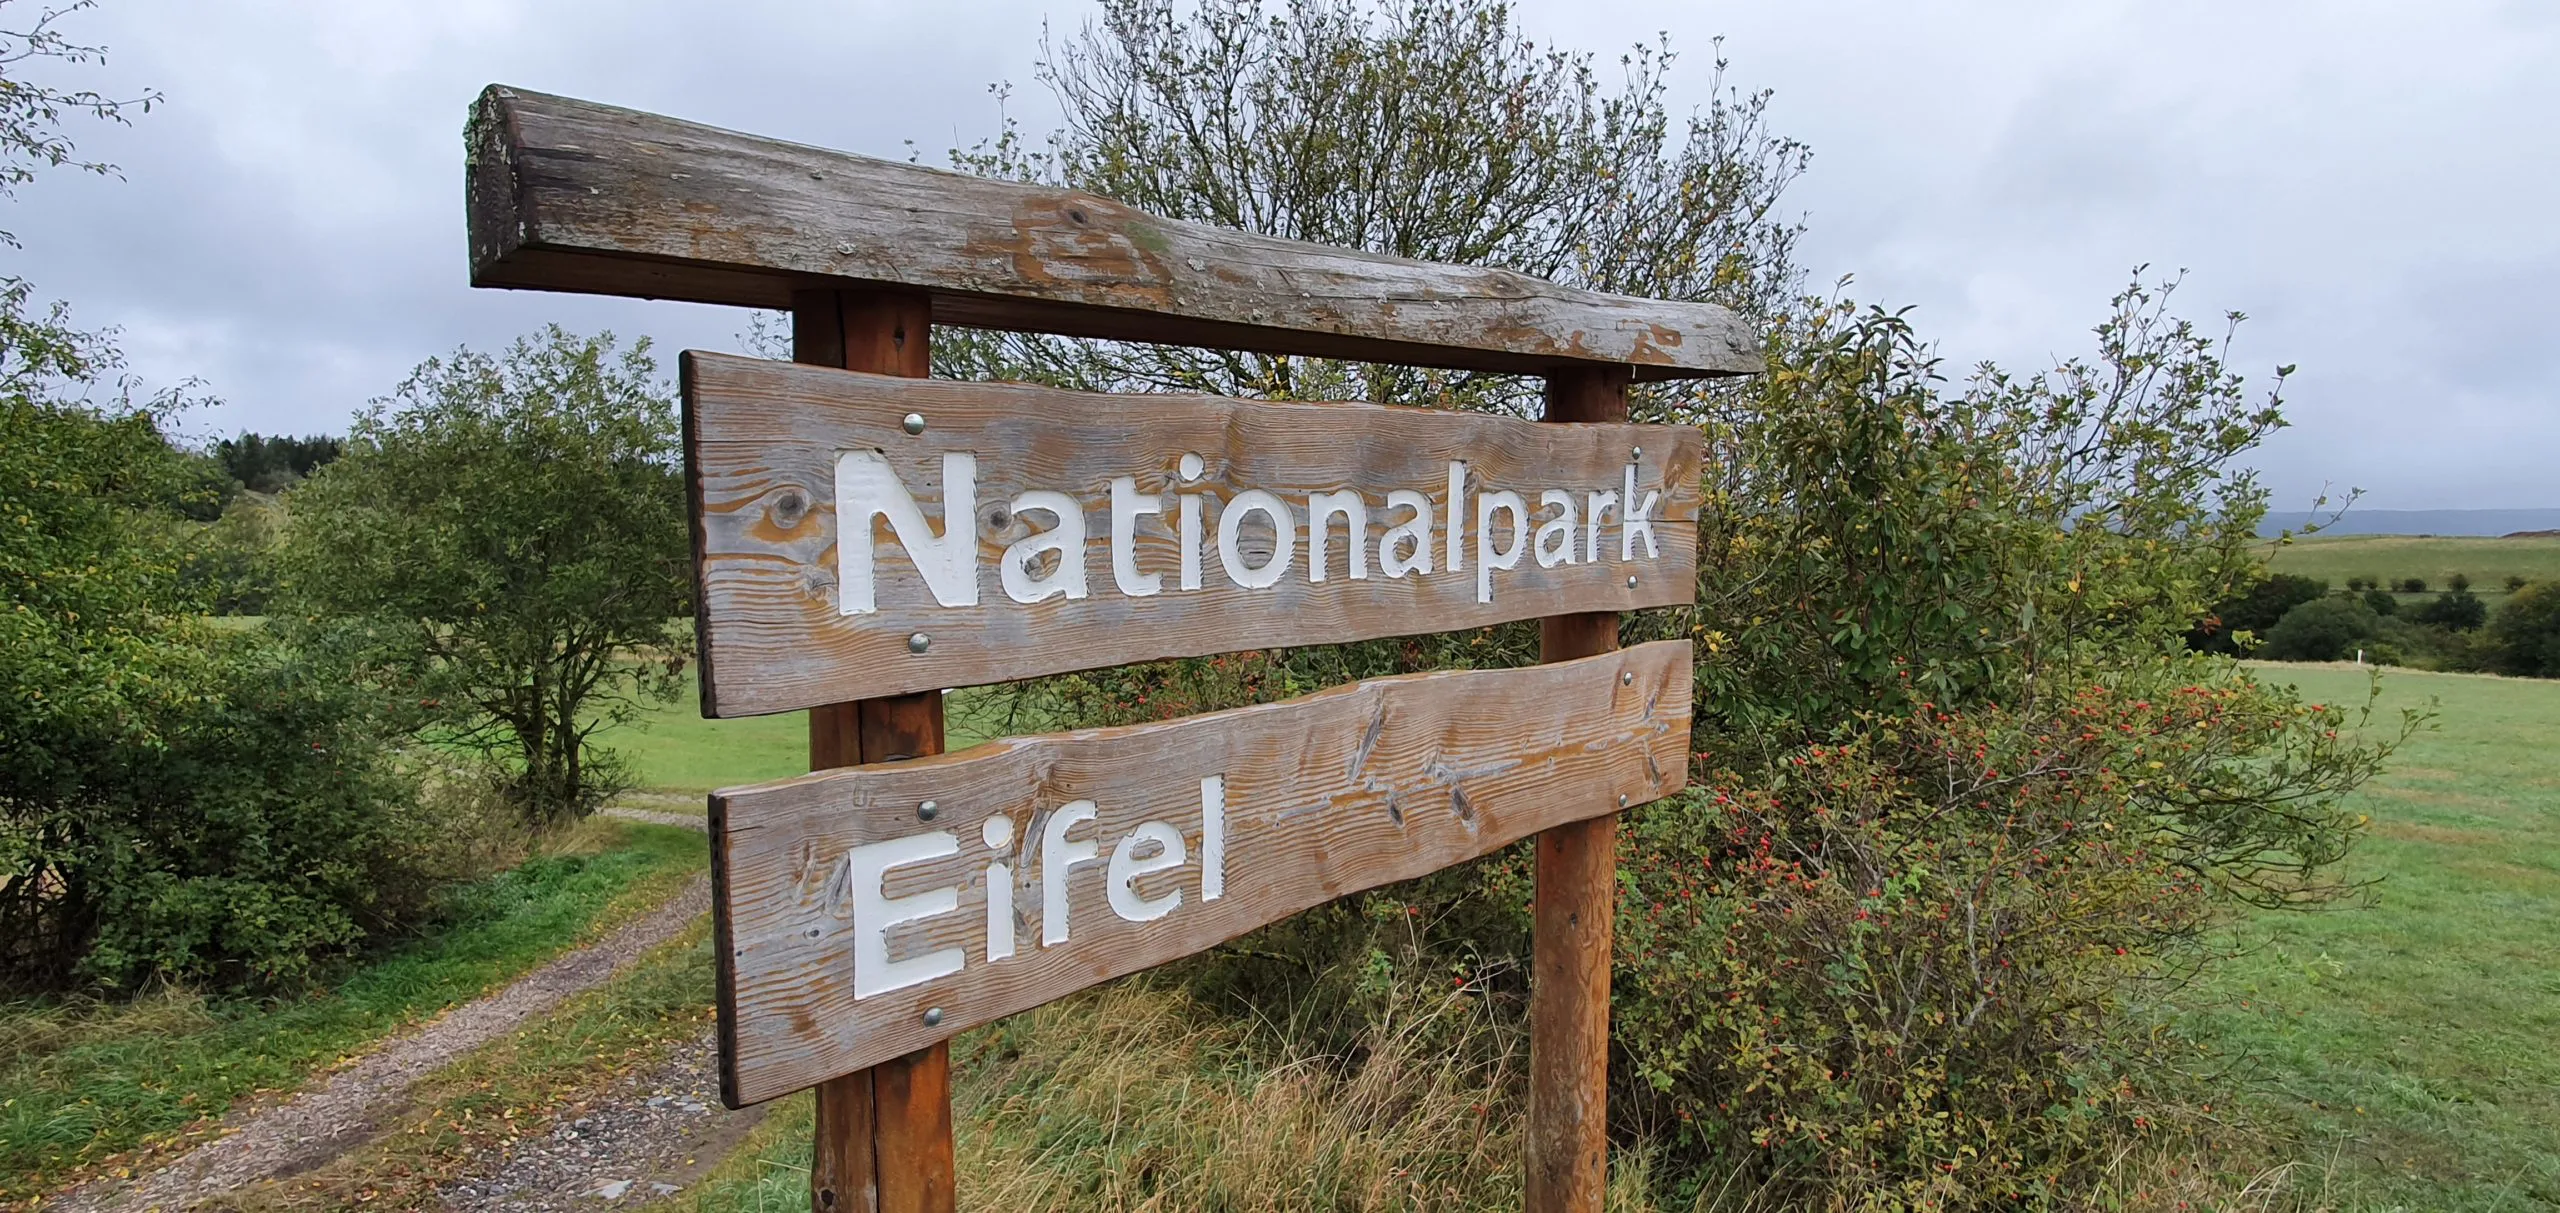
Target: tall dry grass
[(1135, 1098)]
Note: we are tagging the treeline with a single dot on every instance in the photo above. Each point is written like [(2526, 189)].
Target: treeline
[(264, 464), (2288, 617), (233, 567)]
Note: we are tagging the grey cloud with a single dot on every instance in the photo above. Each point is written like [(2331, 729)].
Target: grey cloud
[(2373, 184)]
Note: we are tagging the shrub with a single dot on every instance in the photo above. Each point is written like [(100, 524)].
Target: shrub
[(2358, 585), (264, 827), (2413, 585), (1911, 965), (175, 802), (2459, 584), (2515, 582), (2524, 638), (2327, 629), (2381, 602), (2458, 611), (2254, 611)]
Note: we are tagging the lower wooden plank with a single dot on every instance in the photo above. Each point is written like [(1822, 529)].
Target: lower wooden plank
[(855, 903)]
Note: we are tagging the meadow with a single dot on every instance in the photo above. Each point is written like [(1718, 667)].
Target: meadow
[(2407, 1041), (2389, 558), (673, 751)]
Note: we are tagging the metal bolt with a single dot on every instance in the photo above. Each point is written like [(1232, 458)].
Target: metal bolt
[(1622, 800), (1631, 584), (1636, 453), (928, 811), (919, 642), (933, 1017), (1627, 678), (914, 423)]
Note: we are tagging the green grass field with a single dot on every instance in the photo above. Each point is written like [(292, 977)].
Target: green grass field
[(673, 749), (2414, 1042), (83, 1081), (2487, 562)]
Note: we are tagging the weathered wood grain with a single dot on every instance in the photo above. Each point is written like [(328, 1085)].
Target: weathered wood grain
[(764, 439), (573, 196), (1323, 796), (881, 1137), (1572, 920)]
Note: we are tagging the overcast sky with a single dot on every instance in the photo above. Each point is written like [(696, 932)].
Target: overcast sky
[(2377, 185)]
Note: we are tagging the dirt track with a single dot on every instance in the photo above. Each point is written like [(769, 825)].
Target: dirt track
[(347, 1109)]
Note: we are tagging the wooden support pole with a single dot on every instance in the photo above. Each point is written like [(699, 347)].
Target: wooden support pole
[(883, 1140), (1577, 884)]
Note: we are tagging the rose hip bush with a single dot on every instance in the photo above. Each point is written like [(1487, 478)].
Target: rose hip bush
[(1909, 965)]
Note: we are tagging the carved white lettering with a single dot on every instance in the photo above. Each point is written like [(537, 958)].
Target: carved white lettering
[(1559, 529), (1414, 531), (1639, 522), (1022, 582), (997, 833), (1488, 557), (1127, 865), (1603, 503), (1284, 539), (1213, 837), (1321, 508), (1057, 855), (1053, 562), (874, 912), (1126, 508), (867, 488), (1457, 552)]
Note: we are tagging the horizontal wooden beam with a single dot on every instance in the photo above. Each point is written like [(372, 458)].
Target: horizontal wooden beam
[(1191, 525), (854, 905), (574, 196)]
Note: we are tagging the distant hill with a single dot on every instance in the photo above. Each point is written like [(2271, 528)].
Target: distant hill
[(2421, 522)]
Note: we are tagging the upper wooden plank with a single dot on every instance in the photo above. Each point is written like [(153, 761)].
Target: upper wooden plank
[(573, 196), (1017, 531)]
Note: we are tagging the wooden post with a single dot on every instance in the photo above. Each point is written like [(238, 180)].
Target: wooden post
[(883, 1140), (1577, 885)]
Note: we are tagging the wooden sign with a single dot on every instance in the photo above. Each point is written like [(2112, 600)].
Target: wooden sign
[(860, 535), (864, 541), (570, 195), (867, 912)]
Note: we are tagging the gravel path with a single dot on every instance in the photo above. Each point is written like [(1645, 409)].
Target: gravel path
[(695, 820), (647, 1138), (318, 1124)]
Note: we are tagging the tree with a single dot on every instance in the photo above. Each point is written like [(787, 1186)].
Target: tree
[(1428, 129), (2324, 629), (2458, 610), (2524, 638), (31, 113), (508, 536)]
